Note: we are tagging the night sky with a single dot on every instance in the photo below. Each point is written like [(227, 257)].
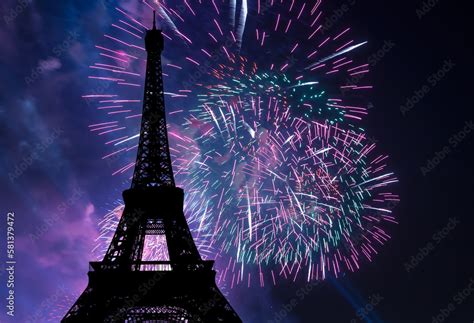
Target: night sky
[(421, 115)]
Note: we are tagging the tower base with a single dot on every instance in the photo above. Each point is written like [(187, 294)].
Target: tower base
[(152, 296)]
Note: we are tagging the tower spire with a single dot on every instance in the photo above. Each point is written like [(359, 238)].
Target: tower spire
[(153, 165)]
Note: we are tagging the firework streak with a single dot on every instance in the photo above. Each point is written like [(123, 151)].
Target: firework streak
[(266, 135)]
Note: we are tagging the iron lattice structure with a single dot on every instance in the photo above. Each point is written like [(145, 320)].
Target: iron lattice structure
[(153, 166), (181, 286)]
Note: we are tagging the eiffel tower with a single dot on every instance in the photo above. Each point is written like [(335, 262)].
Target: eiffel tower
[(177, 285)]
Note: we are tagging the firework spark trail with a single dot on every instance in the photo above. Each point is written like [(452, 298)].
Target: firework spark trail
[(309, 203), (279, 174)]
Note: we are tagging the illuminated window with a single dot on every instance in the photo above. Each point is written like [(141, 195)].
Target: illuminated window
[(159, 314), (155, 247)]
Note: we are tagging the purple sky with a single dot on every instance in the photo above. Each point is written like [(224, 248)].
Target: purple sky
[(53, 178)]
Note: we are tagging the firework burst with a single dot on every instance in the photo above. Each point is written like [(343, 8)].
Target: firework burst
[(265, 132)]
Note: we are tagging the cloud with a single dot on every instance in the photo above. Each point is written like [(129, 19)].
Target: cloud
[(67, 242), (50, 64)]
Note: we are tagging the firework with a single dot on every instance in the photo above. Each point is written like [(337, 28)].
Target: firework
[(265, 132), (289, 191)]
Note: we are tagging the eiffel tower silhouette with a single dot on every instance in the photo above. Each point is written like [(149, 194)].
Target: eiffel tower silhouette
[(176, 286)]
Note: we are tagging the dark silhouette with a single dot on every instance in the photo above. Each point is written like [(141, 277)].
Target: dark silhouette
[(178, 287)]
